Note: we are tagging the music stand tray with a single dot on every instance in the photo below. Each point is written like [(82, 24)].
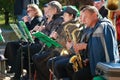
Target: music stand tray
[(46, 39)]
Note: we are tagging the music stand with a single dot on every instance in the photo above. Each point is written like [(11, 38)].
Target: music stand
[(18, 32), (22, 38), (46, 39), (1, 36), (30, 41), (26, 32)]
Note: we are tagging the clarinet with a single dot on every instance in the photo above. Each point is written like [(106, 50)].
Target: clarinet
[(43, 22)]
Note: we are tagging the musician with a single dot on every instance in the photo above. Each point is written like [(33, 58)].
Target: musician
[(54, 19), (20, 9), (41, 26), (100, 5), (57, 64), (32, 19), (35, 17), (94, 47)]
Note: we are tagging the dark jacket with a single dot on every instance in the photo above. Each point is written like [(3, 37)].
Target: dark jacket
[(54, 24), (103, 11), (18, 6), (33, 23)]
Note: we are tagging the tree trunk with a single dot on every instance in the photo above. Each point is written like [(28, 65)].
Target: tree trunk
[(6, 13)]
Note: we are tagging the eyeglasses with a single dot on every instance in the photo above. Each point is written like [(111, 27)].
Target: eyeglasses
[(29, 11)]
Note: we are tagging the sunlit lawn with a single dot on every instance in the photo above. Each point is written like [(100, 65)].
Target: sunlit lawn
[(2, 22)]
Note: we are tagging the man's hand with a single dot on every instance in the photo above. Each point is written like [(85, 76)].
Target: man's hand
[(25, 19), (69, 44), (54, 35), (37, 28), (79, 46)]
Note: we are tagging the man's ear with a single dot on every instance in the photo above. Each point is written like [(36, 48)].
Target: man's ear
[(55, 10)]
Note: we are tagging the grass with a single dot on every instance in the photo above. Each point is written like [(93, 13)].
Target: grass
[(1, 19), (2, 22)]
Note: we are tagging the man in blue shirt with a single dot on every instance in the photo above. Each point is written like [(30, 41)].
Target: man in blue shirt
[(102, 44)]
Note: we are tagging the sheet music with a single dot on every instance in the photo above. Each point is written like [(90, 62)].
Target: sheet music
[(26, 31), (1, 37), (18, 32), (46, 39)]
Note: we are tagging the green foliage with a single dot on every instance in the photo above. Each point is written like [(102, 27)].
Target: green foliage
[(1, 19), (6, 8), (42, 2), (6, 5)]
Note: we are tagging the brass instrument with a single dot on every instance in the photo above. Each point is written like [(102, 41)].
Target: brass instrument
[(76, 60), (68, 30), (73, 32), (68, 38), (112, 6)]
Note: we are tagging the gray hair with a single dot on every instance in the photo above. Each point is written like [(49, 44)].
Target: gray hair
[(56, 4), (91, 9)]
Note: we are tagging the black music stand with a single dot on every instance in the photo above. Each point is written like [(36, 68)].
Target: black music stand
[(26, 32), (30, 41), (22, 39)]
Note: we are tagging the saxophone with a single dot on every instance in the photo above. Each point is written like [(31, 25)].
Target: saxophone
[(76, 60), (68, 30), (68, 38), (73, 33)]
